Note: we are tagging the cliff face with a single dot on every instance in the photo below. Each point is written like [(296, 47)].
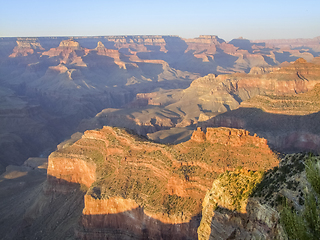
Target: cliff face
[(140, 189), (72, 170), (298, 104), (296, 77), (26, 46)]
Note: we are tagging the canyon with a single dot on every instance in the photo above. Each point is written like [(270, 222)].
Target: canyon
[(144, 137), (67, 81)]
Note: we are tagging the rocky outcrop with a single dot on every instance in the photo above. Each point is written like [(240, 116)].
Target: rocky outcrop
[(75, 78), (298, 77), (112, 53), (213, 94), (146, 190), (299, 104), (68, 52), (71, 43), (198, 136), (26, 46), (227, 136)]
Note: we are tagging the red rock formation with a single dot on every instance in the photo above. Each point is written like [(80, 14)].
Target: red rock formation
[(198, 135), (145, 189), (227, 136), (25, 47), (102, 50), (68, 52)]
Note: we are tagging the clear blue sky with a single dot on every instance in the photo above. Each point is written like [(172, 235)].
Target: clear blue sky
[(228, 19)]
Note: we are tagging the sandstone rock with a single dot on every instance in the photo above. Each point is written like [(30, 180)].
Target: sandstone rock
[(198, 136)]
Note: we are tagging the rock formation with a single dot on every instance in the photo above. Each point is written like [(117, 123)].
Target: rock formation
[(142, 189), (25, 47), (283, 90)]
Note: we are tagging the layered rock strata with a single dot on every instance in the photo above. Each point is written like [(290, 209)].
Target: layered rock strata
[(289, 122), (139, 189)]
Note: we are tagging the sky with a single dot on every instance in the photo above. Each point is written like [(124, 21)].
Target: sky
[(227, 19)]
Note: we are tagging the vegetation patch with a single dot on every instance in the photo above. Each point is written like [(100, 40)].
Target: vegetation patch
[(236, 187), (279, 178)]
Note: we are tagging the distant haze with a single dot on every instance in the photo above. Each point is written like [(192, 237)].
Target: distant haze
[(227, 19)]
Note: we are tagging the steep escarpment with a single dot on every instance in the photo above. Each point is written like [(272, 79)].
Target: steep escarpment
[(287, 133), (244, 204), (299, 104), (25, 47), (142, 189)]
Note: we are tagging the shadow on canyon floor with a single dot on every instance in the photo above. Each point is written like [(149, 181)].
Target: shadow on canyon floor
[(20, 186)]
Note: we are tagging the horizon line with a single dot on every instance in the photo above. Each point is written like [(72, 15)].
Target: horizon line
[(152, 35)]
